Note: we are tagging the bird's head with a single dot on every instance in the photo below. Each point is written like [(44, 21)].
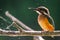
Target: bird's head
[(42, 10)]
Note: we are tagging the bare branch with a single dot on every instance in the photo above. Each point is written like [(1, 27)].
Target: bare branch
[(17, 21), (21, 24), (28, 33)]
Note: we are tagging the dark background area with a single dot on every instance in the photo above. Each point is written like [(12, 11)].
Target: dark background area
[(19, 8)]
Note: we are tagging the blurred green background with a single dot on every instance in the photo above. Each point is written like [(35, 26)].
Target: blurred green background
[(19, 8)]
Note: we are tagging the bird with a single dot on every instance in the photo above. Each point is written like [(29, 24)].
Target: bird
[(43, 15)]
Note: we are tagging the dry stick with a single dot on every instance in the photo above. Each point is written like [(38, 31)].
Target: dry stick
[(4, 19), (23, 25), (28, 33)]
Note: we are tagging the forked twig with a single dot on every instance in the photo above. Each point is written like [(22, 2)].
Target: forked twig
[(21, 24)]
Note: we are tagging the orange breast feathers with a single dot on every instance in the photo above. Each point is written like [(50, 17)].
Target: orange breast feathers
[(44, 23)]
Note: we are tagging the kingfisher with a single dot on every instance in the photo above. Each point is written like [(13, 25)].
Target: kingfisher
[(43, 15)]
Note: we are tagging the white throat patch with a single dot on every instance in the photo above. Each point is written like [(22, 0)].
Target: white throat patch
[(38, 12)]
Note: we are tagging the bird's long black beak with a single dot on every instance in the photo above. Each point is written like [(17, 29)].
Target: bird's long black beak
[(34, 9)]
